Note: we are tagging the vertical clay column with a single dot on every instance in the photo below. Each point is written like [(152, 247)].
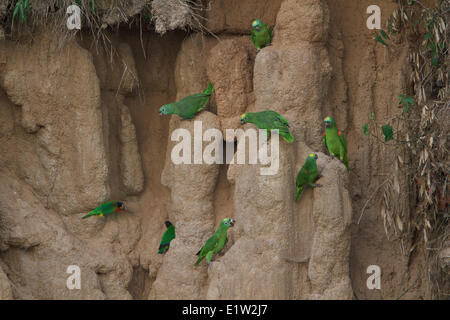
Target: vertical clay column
[(328, 269), (253, 268), (59, 94), (292, 76), (191, 187), (192, 212)]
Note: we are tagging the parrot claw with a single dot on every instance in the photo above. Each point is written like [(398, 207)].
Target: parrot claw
[(258, 50)]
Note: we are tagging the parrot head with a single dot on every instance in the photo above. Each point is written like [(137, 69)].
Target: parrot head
[(228, 222), (244, 118), (121, 205), (313, 156), (168, 224), (257, 24), (166, 109), (329, 122)]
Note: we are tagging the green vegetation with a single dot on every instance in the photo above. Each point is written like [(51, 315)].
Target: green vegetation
[(21, 9), (421, 135)]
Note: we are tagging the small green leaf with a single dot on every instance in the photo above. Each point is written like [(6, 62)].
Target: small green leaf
[(384, 34), (371, 116), (379, 39), (435, 60), (388, 132), (406, 101), (366, 129), (22, 14), (93, 6), (27, 6), (16, 10)]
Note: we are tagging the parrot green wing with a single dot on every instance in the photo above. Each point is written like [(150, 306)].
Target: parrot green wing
[(270, 32), (167, 237), (302, 180), (306, 176), (336, 144), (344, 143), (103, 209), (272, 120), (253, 37), (283, 120), (343, 140), (221, 243), (302, 177), (210, 245), (190, 105), (280, 123)]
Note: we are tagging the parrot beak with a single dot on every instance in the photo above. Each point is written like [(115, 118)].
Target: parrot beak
[(257, 28), (242, 121), (327, 125), (232, 221), (316, 157)]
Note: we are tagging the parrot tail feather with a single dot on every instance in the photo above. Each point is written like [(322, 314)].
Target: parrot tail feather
[(287, 136), (299, 191), (198, 261), (210, 89), (163, 248), (89, 214)]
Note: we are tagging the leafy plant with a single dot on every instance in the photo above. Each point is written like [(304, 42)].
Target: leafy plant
[(80, 4), (371, 128), (423, 126), (406, 101), (381, 36), (388, 132), (21, 8), (366, 129)]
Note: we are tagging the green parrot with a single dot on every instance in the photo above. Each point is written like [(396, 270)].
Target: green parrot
[(307, 175), (216, 242), (168, 236), (335, 141), (187, 107), (107, 208), (269, 120), (261, 34)]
